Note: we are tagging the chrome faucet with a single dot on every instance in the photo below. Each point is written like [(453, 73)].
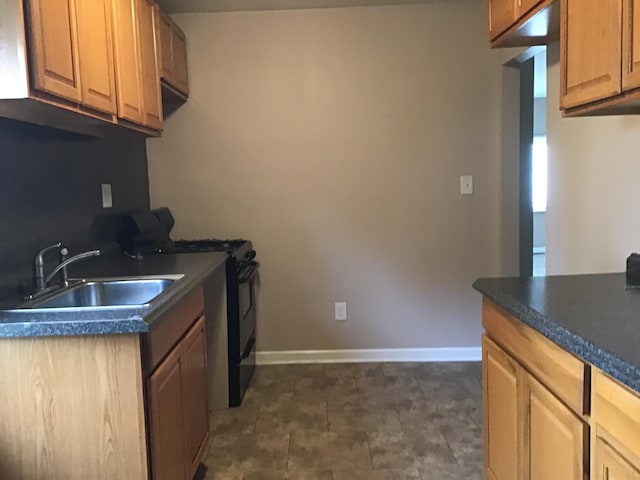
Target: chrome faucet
[(39, 266), (42, 281)]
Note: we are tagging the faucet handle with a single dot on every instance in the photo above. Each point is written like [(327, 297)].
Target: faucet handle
[(64, 251)]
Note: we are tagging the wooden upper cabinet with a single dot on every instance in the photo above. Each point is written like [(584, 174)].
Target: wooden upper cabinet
[(164, 30), (502, 14), (500, 391), (152, 100), (591, 50), (554, 435), (525, 5), (195, 394), (54, 48), (180, 61), (95, 48), (172, 53), (631, 44), (127, 60)]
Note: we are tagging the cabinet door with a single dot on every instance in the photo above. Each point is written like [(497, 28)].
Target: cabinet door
[(525, 6), (165, 27), (500, 390), (631, 44), (502, 14), (150, 73), (95, 49), (591, 49), (53, 48), (179, 44), (127, 56), (554, 437), (195, 393), (166, 419), (610, 465)]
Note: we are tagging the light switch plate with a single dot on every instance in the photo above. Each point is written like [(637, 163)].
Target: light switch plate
[(107, 199), (341, 311), (466, 185)]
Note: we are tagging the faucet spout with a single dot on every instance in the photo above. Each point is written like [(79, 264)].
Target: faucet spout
[(69, 261)]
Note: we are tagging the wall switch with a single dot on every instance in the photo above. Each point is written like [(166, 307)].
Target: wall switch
[(107, 199), (466, 185), (341, 311)]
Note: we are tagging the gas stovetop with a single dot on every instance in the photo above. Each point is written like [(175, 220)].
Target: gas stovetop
[(206, 245)]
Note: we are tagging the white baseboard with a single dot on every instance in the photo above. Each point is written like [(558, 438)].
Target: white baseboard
[(471, 354)]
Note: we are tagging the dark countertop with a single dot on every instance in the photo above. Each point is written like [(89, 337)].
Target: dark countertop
[(595, 317), (196, 267)]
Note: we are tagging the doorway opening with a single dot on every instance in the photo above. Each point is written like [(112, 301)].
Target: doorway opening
[(539, 163), (524, 164)]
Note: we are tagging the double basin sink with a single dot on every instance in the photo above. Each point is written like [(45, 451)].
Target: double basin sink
[(106, 293)]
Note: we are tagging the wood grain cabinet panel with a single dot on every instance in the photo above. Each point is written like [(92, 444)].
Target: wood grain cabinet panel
[(53, 48), (95, 49), (611, 465), (166, 405), (195, 394), (502, 14), (165, 30), (500, 392), (525, 6), (531, 432), (591, 49), (172, 45), (152, 100), (127, 60), (180, 61), (179, 413), (631, 44), (554, 436)]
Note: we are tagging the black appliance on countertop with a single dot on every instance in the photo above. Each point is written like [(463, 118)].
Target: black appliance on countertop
[(148, 233)]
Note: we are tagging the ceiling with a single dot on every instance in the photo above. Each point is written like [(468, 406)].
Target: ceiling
[(194, 6)]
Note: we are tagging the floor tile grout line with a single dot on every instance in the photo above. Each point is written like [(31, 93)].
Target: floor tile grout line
[(369, 449), (326, 403), (289, 450)]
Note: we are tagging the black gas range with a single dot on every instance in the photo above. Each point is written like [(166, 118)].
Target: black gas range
[(148, 233)]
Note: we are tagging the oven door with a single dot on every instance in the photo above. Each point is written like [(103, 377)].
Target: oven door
[(246, 304)]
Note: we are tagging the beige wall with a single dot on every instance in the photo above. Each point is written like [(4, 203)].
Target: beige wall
[(334, 139), (593, 193)]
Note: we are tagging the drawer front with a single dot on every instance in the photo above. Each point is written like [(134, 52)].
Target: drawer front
[(560, 371), (172, 326), (616, 409)]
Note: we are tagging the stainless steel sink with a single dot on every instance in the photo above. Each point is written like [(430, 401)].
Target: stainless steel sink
[(107, 292)]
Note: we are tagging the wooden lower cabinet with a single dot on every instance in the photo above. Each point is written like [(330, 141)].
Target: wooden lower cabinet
[(178, 412), (166, 411), (195, 387), (611, 465), (554, 436), (535, 427), (529, 433), (500, 375)]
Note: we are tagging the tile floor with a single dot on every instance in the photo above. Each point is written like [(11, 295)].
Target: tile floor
[(373, 421)]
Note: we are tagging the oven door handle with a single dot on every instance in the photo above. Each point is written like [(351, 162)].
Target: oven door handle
[(248, 275)]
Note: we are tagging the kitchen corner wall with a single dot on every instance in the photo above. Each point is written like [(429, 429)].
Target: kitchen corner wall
[(50, 192), (334, 139), (593, 196)]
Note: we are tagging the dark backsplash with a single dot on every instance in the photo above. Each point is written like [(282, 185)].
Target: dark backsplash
[(50, 192)]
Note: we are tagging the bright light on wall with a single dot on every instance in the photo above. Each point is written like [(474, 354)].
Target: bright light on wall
[(539, 174)]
